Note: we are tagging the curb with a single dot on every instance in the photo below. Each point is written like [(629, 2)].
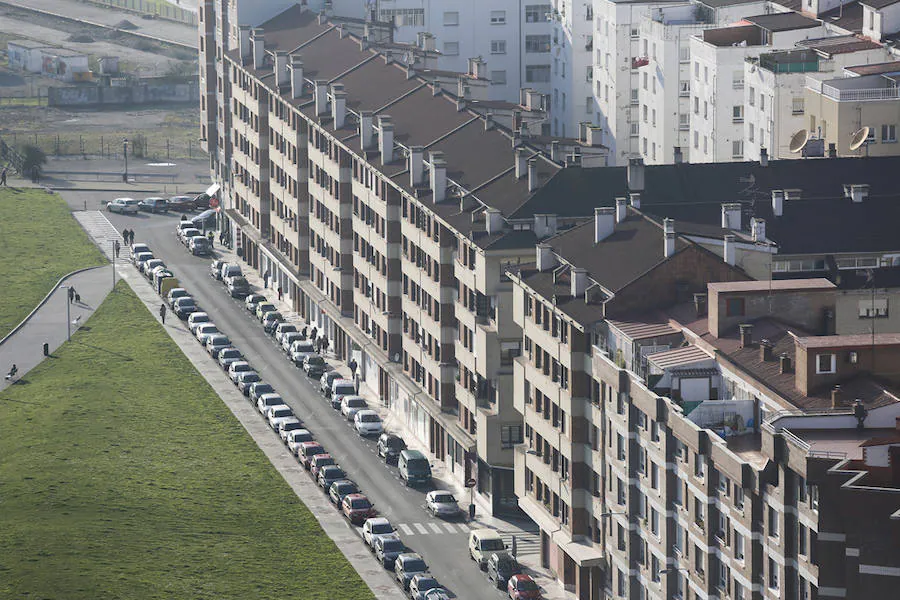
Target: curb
[(44, 301)]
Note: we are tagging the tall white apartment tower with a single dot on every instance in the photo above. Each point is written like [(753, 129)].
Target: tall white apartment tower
[(572, 99)]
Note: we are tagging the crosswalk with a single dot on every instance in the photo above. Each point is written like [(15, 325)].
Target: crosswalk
[(99, 229), (526, 542), (433, 528)]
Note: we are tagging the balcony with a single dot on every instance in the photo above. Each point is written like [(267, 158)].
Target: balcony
[(856, 89)]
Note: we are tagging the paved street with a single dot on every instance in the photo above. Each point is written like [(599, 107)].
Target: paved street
[(442, 544)]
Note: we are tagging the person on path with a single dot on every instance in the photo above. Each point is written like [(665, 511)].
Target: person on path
[(3, 176), (131, 237), (303, 333), (162, 312), (222, 238), (280, 293), (125, 236), (77, 298), (210, 237), (353, 366), (117, 247), (266, 279), (71, 294), (312, 335), (13, 371), (35, 174)]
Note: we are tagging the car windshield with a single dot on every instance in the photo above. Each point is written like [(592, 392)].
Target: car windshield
[(282, 412), (526, 585), (495, 544), (360, 503), (302, 436), (344, 389), (288, 328), (199, 318), (230, 354), (304, 347), (264, 388), (220, 340), (292, 425), (416, 565), (240, 368), (356, 403), (370, 419), (383, 528), (444, 498), (185, 302), (506, 563), (418, 465), (334, 473), (392, 546), (426, 583), (266, 307), (316, 360), (239, 281), (250, 377), (313, 450), (395, 442), (349, 488)]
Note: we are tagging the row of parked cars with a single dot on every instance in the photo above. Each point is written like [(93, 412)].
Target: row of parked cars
[(157, 204)]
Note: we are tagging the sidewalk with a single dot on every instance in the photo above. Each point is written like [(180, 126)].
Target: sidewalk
[(527, 536)]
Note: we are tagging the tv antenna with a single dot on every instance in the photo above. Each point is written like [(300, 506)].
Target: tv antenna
[(860, 138), (799, 141)]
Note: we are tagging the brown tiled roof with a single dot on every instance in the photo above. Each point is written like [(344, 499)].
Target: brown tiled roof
[(876, 69), (849, 341), (775, 286), (849, 16)]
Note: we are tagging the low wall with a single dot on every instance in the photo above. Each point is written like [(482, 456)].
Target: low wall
[(136, 94)]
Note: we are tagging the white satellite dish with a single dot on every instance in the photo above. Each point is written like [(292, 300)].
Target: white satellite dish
[(798, 141), (859, 138)]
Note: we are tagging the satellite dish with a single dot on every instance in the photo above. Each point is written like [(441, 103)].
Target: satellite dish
[(859, 138), (798, 141)]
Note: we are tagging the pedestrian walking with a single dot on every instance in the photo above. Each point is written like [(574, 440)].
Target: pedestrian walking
[(210, 237), (125, 236), (3, 176), (280, 293), (131, 237), (118, 247), (77, 298), (312, 335), (266, 279), (162, 312), (71, 294), (222, 238), (353, 366), (35, 174), (303, 333), (13, 371)]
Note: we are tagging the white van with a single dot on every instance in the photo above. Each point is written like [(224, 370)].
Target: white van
[(230, 270), (483, 543)]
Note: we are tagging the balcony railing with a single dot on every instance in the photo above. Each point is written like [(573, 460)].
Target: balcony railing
[(889, 93)]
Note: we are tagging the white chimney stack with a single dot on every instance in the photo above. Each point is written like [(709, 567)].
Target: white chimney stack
[(777, 202), (604, 223), (532, 175), (544, 258), (635, 200), (763, 157), (416, 166), (621, 210), (244, 42), (669, 237), (635, 174), (438, 176), (493, 221), (338, 105), (578, 277), (758, 229), (386, 139), (521, 162), (296, 75), (321, 97), (258, 41), (730, 249), (731, 216), (365, 129), (859, 192), (282, 75)]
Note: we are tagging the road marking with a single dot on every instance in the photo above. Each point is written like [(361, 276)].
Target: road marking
[(420, 528), (463, 527), (406, 529), (435, 527), (449, 527)]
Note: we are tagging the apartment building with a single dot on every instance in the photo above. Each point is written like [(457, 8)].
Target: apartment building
[(695, 447), (572, 100), (512, 39), (383, 200), (880, 19), (781, 77), (717, 81)]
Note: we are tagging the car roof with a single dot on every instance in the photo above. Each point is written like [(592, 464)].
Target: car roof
[(436, 492), (356, 496), (342, 381), (521, 577), (322, 455), (278, 407), (378, 521), (409, 556), (366, 412), (310, 443), (412, 454), (486, 534)]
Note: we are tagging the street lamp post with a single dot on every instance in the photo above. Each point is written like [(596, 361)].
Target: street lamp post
[(68, 313), (125, 154)]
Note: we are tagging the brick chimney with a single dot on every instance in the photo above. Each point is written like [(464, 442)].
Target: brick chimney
[(836, 397), (746, 330), (765, 351), (784, 364)]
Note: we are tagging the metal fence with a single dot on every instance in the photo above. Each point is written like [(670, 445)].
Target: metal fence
[(158, 8), (95, 145)]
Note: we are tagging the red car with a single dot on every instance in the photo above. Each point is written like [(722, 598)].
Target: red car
[(306, 451), (317, 462), (357, 508), (522, 587)]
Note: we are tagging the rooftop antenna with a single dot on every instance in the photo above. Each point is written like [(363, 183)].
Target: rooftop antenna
[(799, 141), (860, 138)]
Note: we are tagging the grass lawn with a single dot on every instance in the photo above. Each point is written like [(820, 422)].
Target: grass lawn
[(124, 476), (40, 242)]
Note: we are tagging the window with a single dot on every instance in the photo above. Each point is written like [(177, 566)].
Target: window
[(699, 465), (510, 435), (798, 106), (750, 133), (635, 129), (773, 522), (825, 363), (684, 89), (888, 133), (654, 522), (634, 95), (752, 96), (620, 446), (872, 308), (684, 122), (738, 545), (451, 18), (498, 17), (737, 149), (537, 44), (738, 590), (801, 540), (498, 77), (498, 46), (773, 574), (696, 140), (654, 568), (737, 79), (722, 580), (737, 113), (537, 73), (451, 48), (738, 497), (536, 13), (699, 559), (699, 511)]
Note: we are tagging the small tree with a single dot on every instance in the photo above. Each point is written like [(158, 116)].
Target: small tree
[(32, 157)]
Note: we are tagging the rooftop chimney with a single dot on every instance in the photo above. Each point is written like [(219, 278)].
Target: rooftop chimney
[(493, 221), (425, 41), (758, 229), (635, 174), (836, 397), (532, 175), (763, 157), (859, 192), (478, 68), (555, 154), (700, 300), (604, 223), (258, 41), (365, 129), (545, 258), (635, 200), (416, 166), (386, 139), (244, 42), (282, 75), (338, 105), (679, 155), (521, 162), (669, 237), (731, 216), (296, 75), (784, 364), (578, 278), (792, 194), (593, 136), (320, 92), (746, 330), (777, 202), (729, 249), (832, 150), (765, 351), (438, 175), (621, 210)]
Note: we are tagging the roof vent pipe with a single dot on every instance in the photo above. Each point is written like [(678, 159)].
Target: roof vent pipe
[(777, 202), (729, 250), (621, 210), (668, 237), (604, 223)]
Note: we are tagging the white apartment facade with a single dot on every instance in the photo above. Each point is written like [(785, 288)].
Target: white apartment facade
[(717, 132), (513, 38), (572, 101)]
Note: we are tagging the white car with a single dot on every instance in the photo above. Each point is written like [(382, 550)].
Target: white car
[(140, 258), (217, 343), (297, 437), (289, 338), (287, 426), (148, 266), (138, 248), (351, 405), (441, 503), (374, 527), (204, 331), (252, 300), (277, 414), (284, 328), (367, 422), (267, 401), (300, 350), (123, 206), (228, 356), (238, 367), (196, 320)]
